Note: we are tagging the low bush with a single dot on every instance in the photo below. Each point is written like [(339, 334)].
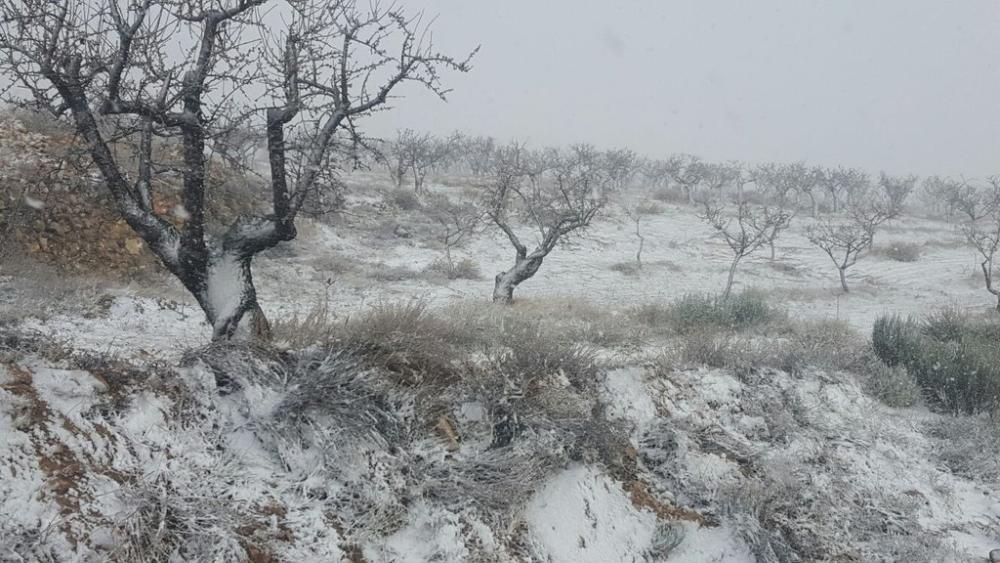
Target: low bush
[(894, 386), (626, 268), (386, 273), (403, 199), (895, 338), (464, 269), (695, 312), (824, 344), (953, 358), (901, 251), (528, 353)]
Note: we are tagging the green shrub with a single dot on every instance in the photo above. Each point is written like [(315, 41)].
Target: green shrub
[(695, 312), (954, 359), (946, 325), (895, 339)]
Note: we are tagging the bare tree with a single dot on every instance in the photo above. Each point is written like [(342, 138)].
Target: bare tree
[(621, 165), (656, 173), (774, 179), (632, 207), (417, 154), (982, 230), (477, 152), (896, 189), (842, 184), (686, 171), (845, 241), (744, 231), (116, 71), (714, 178), (456, 222), (555, 200)]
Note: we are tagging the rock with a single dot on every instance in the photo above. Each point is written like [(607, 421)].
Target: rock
[(995, 556), (133, 246), (401, 231)]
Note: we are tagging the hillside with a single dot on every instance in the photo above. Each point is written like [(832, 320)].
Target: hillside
[(399, 416)]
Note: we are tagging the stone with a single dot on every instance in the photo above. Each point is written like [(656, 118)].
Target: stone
[(133, 246)]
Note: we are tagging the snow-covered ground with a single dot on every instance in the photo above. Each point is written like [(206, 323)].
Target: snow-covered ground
[(722, 468), (680, 256)]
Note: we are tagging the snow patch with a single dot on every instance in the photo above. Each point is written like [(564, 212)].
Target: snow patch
[(582, 516)]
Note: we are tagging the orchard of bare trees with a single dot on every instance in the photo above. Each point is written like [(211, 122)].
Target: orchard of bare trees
[(302, 92)]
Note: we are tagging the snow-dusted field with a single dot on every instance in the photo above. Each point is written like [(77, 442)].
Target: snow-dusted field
[(681, 255), (811, 452)]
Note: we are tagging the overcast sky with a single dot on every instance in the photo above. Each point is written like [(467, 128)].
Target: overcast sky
[(899, 85)]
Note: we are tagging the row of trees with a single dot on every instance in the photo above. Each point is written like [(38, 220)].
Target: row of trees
[(410, 156)]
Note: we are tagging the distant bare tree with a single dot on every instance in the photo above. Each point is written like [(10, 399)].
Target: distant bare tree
[(554, 193), (896, 190), (632, 207), (842, 184), (417, 154), (656, 173), (745, 230), (621, 165), (116, 70), (686, 171), (714, 177), (477, 152), (982, 230), (456, 222), (844, 241), (779, 181)]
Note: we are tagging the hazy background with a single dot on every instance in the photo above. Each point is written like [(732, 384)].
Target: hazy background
[(900, 85)]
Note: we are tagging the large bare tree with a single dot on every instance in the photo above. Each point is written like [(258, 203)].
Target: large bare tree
[(187, 71), (553, 193)]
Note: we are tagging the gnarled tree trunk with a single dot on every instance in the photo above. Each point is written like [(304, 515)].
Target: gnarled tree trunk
[(506, 281)]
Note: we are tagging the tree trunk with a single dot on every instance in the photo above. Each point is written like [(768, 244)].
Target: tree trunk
[(771, 244), (228, 295), (843, 279), (642, 242), (729, 282), (506, 281)]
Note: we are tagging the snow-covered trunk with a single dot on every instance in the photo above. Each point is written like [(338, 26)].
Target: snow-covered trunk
[(229, 298), (843, 279), (223, 287), (506, 281)]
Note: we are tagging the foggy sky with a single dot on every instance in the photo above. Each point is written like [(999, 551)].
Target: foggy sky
[(900, 85)]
